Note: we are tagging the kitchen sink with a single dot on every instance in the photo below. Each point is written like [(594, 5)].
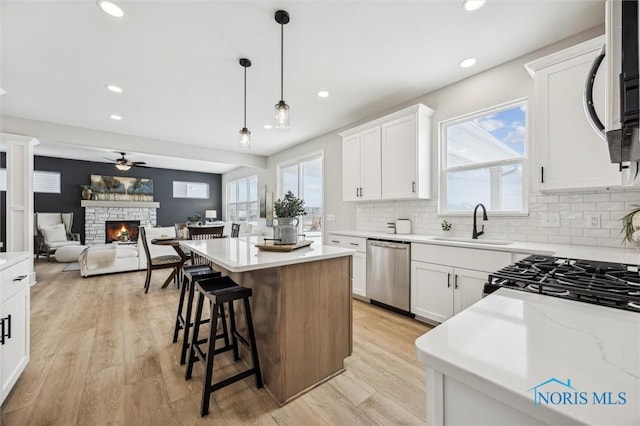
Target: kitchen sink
[(471, 240)]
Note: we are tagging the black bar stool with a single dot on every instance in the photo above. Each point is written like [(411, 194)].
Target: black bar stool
[(190, 275), (219, 291)]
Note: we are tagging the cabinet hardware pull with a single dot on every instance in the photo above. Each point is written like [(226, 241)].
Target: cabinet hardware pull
[(541, 174), (361, 191), (455, 281), (20, 278), (354, 244), (335, 241), (357, 195), (448, 279), (413, 187), (6, 329)]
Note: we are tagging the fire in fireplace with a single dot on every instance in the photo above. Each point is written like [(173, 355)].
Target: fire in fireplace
[(124, 231)]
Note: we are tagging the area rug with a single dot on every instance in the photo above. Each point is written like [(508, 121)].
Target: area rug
[(73, 266)]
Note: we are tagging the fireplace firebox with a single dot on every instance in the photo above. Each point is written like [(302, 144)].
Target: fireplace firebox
[(122, 231)]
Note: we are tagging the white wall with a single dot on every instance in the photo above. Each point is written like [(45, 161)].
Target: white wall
[(498, 85)]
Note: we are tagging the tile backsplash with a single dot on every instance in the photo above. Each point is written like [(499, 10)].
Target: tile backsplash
[(573, 208)]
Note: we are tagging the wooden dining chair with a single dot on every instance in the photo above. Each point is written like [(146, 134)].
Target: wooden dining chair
[(181, 230), (158, 262), (235, 230), (203, 233)]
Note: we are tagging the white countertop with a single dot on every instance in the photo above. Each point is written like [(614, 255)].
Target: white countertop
[(241, 254), (11, 258), (511, 341), (604, 254)]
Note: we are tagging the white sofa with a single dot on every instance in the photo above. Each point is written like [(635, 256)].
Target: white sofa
[(110, 258)]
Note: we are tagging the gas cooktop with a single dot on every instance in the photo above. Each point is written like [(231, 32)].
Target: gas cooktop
[(610, 284)]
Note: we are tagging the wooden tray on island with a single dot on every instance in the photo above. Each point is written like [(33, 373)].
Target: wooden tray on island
[(271, 246)]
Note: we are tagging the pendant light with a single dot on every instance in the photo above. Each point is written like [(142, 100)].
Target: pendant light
[(245, 135), (282, 109)]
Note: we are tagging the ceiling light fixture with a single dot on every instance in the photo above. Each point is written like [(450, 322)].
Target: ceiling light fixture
[(245, 134), (123, 167), (113, 88), (268, 126), (115, 117), (323, 94), (111, 8), (466, 63), (471, 5), (282, 109)]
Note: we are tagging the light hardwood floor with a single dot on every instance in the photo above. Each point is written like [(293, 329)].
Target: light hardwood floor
[(101, 353)]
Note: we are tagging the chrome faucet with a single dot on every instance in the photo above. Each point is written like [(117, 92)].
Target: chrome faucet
[(476, 234)]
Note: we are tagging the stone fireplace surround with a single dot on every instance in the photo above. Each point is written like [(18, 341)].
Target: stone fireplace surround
[(96, 213)]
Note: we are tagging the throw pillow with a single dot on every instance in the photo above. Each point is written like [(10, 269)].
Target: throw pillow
[(54, 234)]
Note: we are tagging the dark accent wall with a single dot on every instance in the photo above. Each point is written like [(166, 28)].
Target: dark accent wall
[(74, 173)]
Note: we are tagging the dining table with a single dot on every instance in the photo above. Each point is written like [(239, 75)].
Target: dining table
[(175, 243)]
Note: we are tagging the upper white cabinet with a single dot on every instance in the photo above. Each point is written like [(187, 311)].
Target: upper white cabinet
[(388, 158), (568, 152), (361, 165)]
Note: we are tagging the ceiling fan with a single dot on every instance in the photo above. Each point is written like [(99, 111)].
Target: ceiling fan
[(123, 164)]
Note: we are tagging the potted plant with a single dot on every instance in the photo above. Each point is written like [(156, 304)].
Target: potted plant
[(194, 220), (285, 224), (631, 226)]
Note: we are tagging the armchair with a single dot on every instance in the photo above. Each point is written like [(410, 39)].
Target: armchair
[(52, 231)]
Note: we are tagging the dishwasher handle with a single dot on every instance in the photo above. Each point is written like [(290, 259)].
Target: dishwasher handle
[(389, 245)]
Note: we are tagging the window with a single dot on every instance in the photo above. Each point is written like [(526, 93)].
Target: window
[(190, 190), (242, 199), (43, 182), (483, 160), (305, 179)]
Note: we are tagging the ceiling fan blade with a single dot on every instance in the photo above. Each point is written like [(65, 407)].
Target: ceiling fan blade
[(110, 159), (137, 163), (141, 166)]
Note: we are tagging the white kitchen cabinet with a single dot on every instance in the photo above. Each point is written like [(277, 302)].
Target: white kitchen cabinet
[(568, 152), (361, 165), (359, 261), (388, 158), (14, 319), (442, 283)]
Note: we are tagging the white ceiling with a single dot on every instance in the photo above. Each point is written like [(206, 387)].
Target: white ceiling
[(177, 62)]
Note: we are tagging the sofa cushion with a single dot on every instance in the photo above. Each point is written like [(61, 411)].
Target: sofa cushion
[(69, 253), (54, 233), (124, 251), (64, 243)]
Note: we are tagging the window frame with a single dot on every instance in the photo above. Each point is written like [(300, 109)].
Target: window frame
[(297, 161), (247, 201), (3, 181), (524, 160)]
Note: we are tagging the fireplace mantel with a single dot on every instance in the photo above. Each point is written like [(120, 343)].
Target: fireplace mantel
[(129, 204)]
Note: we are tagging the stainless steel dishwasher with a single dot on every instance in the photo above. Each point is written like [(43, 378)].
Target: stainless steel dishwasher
[(388, 268)]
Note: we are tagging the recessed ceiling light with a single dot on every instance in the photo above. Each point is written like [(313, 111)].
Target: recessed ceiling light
[(466, 63), (268, 126), (115, 117), (473, 4), (323, 94), (111, 8), (114, 89)]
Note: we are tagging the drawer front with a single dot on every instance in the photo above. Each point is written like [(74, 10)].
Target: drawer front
[(354, 243), (14, 278), (461, 257)]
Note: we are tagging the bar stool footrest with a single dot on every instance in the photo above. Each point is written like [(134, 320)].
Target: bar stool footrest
[(232, 379)]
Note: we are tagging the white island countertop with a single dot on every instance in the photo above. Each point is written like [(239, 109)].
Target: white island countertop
[(241, 254), (510, 342), (11, 258), (603, 254)]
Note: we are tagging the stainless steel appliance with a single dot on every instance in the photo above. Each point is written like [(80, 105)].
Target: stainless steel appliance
[(388, 268), (621, 120), (603, 283)]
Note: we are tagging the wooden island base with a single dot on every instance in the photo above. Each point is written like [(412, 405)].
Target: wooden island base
[(302, 315)]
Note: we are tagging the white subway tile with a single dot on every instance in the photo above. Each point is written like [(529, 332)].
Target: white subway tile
[(584, 241), (556, 207), (583, 206), (626, 196), (559, 239), (571, 198), (610, 242), (598, 197), (600, 233)]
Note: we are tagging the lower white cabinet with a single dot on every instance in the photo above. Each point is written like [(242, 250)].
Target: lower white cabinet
[(446, 280), (439, 292), (359, 261), (14, 322)]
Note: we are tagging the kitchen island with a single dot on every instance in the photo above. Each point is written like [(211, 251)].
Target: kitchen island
[(530, 359), (301, 308)]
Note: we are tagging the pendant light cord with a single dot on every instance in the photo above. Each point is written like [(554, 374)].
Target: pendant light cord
[(281, 62), (245, 97)]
